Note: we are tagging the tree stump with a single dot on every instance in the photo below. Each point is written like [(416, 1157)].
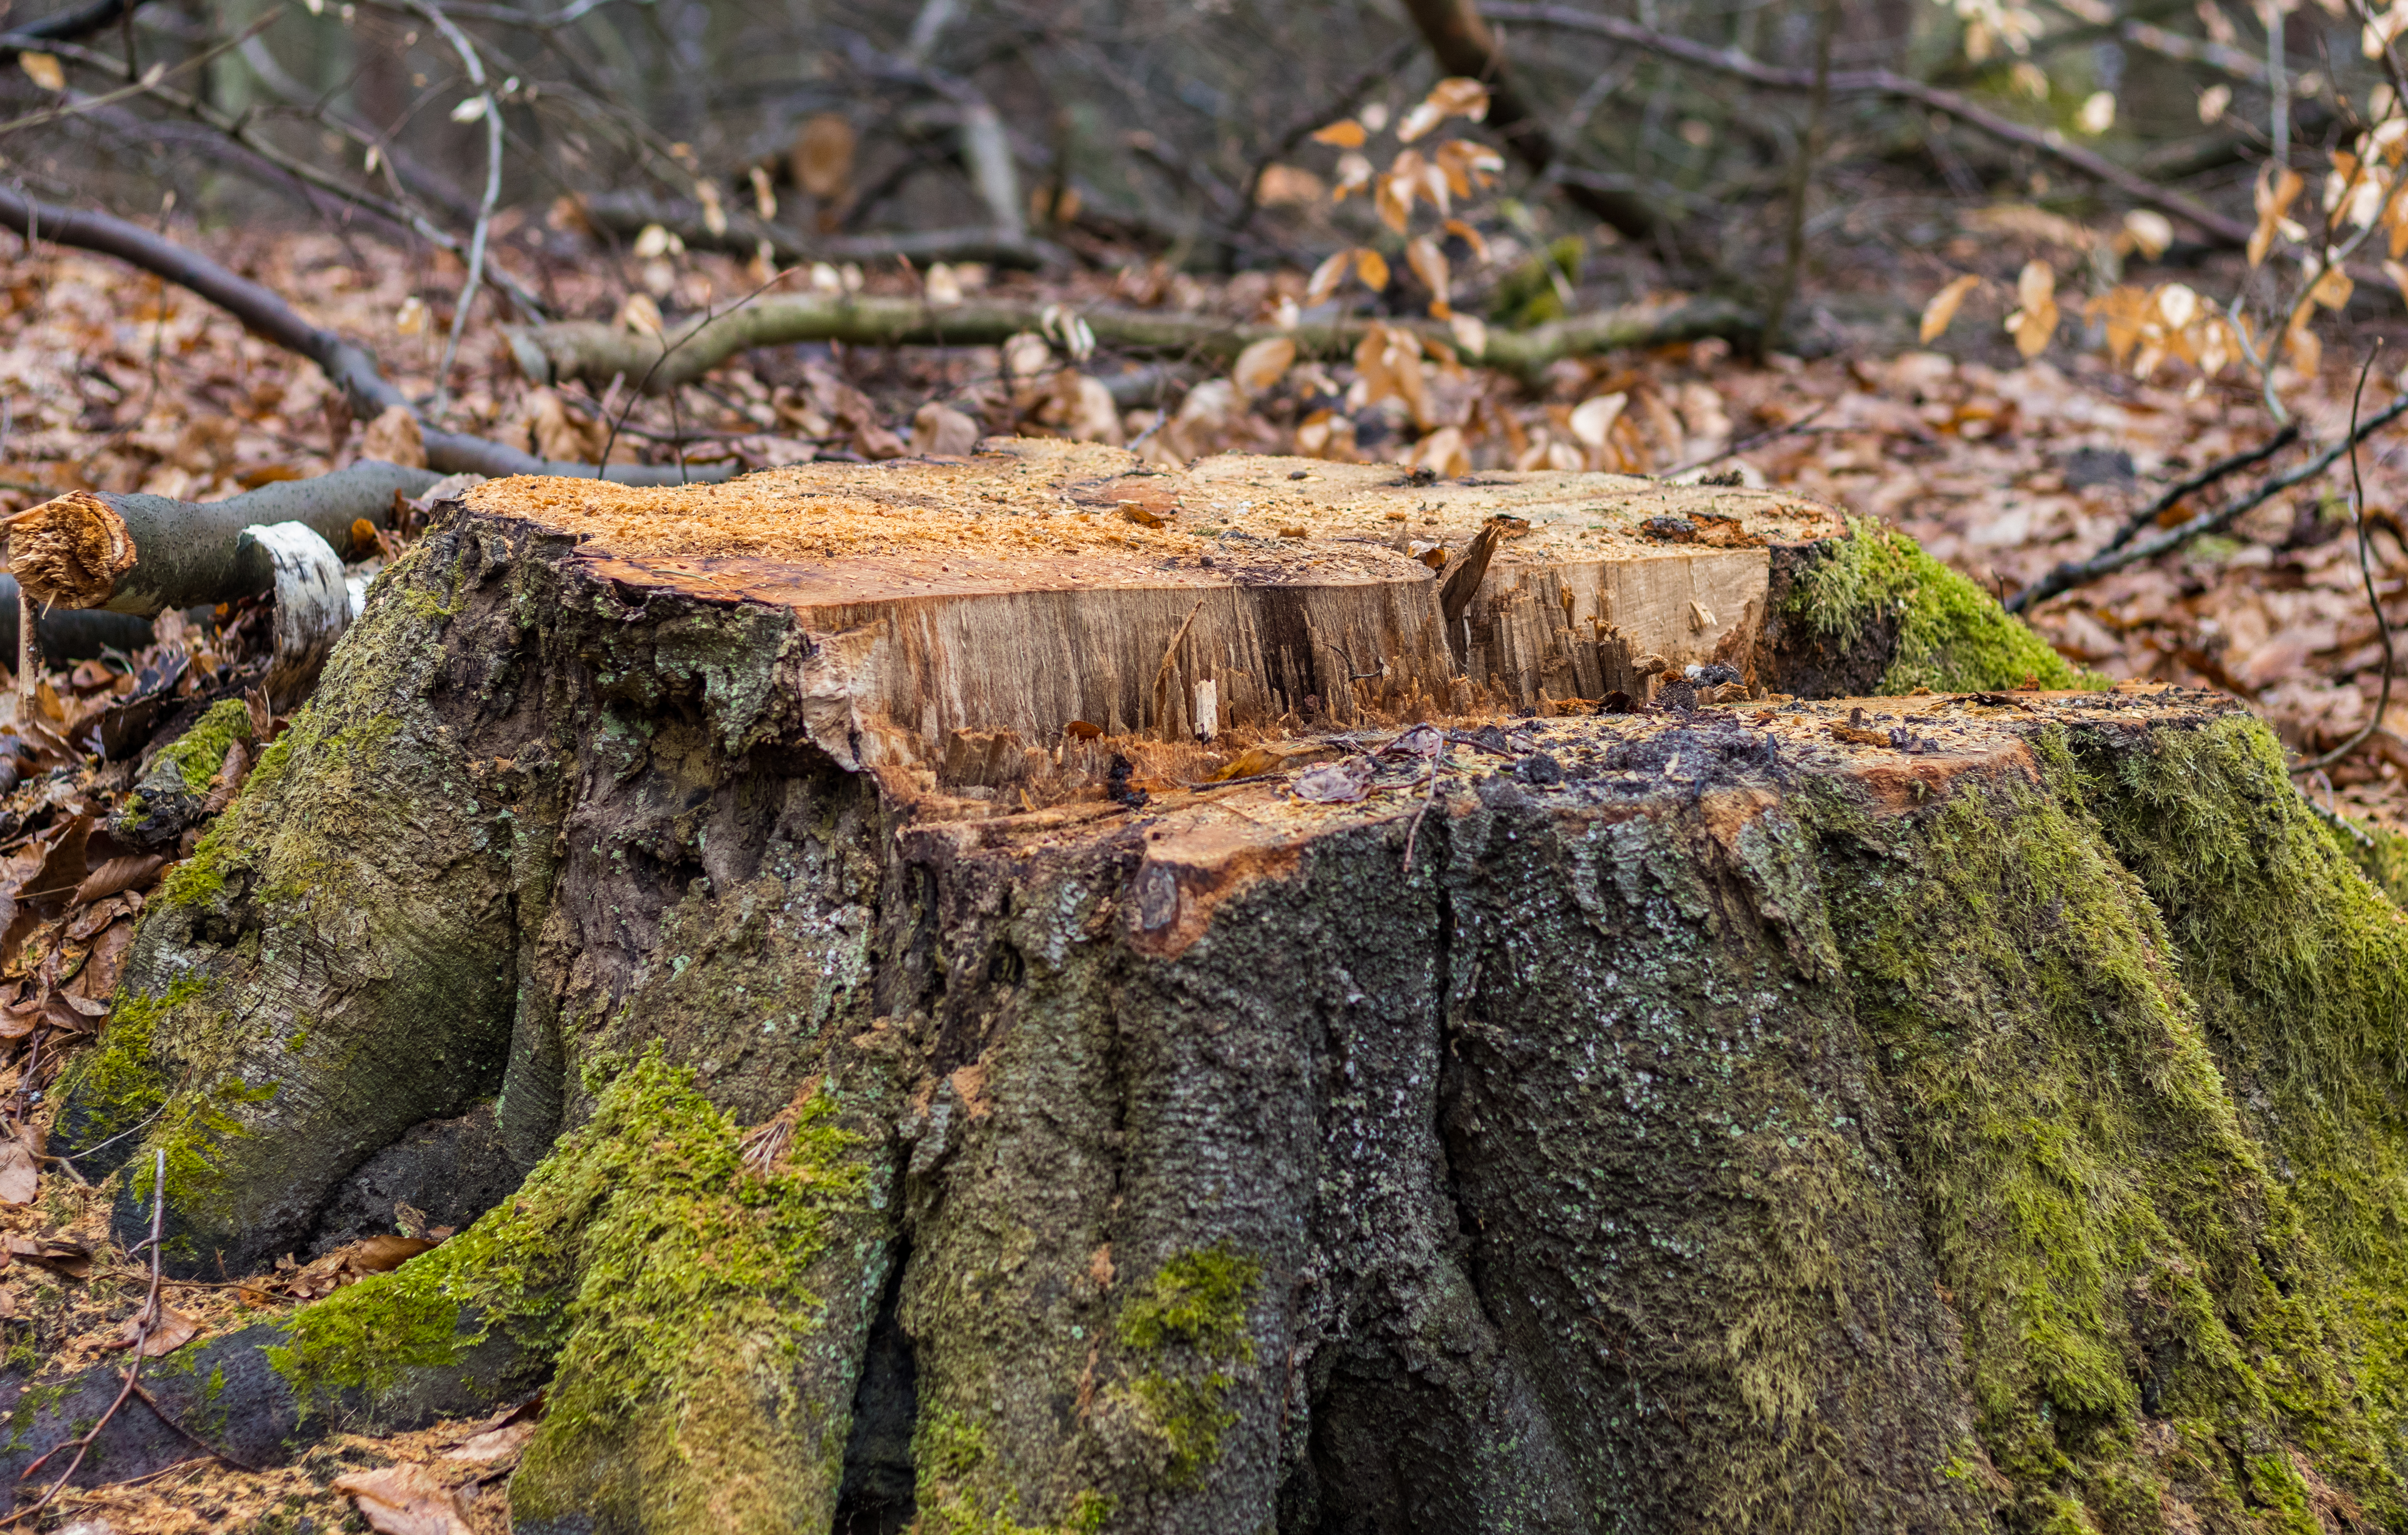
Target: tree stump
[(938, 1099)]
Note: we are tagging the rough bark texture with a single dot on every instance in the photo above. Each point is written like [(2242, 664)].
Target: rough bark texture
[(1720, 1122)]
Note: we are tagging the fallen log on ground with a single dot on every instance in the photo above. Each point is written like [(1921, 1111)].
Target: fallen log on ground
[(349, 366), (596, 352), (1738, 1115), (70, 634), (131, 552)]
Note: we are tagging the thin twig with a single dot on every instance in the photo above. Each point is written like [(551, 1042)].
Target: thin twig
[(143, 1323), (2174, 493), (1749, 444), (475, 65), (1438, 754), (2366, 571), (168, 1418), (2067, 577), (1802, 180), (667, 351), (1730, 61)]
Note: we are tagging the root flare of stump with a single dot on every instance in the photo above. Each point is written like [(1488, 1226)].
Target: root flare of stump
[(1934, 1112)]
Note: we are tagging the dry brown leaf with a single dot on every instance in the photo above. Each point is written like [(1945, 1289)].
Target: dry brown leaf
[(822, 162), (1940, 312), (1428, 263), (383, 1253), (1083, 730), (126, 871), (170, 1331), (942, 432), (43, 70), (2035, 323), (1594, 418), (21, 1179), (1344, 134), (495, 1444), (2273, 195), (394, 438), (1253, 760), (405, 1500), (1326, 277), (1372, 267), (1334, 783), (1263, 364)]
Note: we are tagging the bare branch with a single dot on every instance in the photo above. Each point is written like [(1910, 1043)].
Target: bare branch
[(2065, 577), (2047, 141), (348, 366)]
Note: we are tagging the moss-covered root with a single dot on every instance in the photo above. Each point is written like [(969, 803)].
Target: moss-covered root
[(330, 967), (174, 790), (713, 1298), (227, 1391), (697, 1296), (1873, 613)]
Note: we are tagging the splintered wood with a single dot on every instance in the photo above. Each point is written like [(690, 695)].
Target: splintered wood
[(1045, 587)]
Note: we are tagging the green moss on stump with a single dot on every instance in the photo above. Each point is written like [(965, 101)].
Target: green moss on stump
[(199, 753), (2146, 1025), (947, 1453), (1952, 636), (667, 1277), (1195, 1304), (121, 1084)]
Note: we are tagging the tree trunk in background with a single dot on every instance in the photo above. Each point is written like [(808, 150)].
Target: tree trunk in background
[(1973, 1112), (1464, 44)]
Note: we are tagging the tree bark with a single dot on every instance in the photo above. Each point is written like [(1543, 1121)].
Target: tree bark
[(1804, 1115)]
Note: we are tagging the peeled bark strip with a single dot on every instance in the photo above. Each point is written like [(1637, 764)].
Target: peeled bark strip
[(1957, 1114), (143, 554), (313, 607)]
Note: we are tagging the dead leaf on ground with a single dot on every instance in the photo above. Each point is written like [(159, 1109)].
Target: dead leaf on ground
[(60, 1255), (495, 1444), (403, 1500), (1253, 760), (125, 871), (1334, 783), (171, 1331), (21, 1180)]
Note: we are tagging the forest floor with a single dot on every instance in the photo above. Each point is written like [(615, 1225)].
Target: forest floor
[(2001, 466)]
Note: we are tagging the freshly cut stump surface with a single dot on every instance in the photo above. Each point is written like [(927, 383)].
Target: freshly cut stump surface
[(1043, 583), (1949, 1112)]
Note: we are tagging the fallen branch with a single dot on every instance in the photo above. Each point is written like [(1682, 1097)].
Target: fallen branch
[(2047, 141), (348, 366), (70, 634), (243, 130), (597, 352), (2364, 529), (2065, 577), (2142, 520), (626, 213), (144, 555)]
